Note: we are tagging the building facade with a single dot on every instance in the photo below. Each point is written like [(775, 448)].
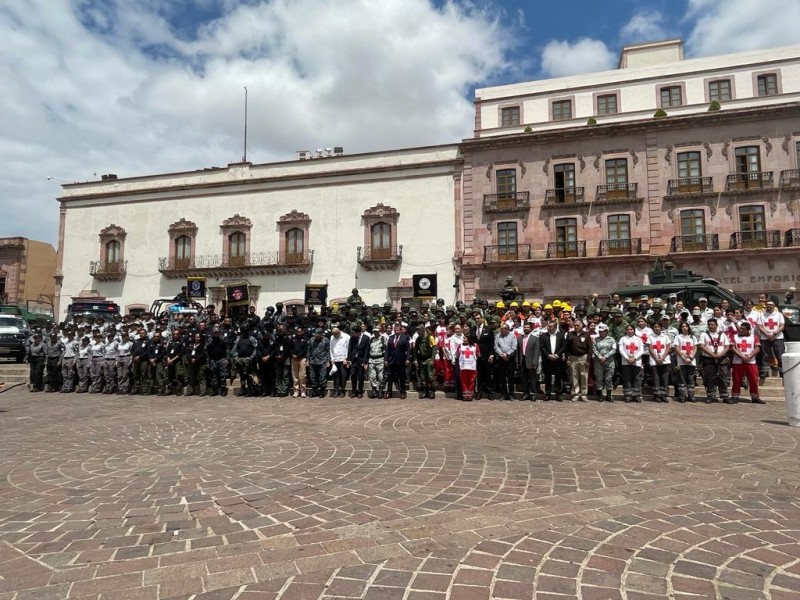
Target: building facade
[(27, 268), (368, 221), (575, 185)]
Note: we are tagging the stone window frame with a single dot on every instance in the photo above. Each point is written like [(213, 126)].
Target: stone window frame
[(235, 224), (709, 80), (112, 233), (552, 101), (673, 84), (380, 213), (178, 229), (293, 220), (778, 82), (502, 107), (597, 95)]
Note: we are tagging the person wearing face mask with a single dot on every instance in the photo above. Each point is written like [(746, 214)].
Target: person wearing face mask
[(217, 362), (196, 360)]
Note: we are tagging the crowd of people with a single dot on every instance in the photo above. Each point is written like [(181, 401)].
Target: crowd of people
[(551, 351)]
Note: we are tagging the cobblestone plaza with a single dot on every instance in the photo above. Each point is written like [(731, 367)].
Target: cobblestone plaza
[(144, 498)]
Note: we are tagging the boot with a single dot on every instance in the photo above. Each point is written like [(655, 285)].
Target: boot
[(608, 396), (432, 393)]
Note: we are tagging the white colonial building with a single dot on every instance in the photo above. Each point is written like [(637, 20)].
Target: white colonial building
[(368, 221)]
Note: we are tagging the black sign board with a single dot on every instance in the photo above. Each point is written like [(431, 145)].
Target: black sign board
[(196, 287), (317, 294), (424, 286), (237, 294)]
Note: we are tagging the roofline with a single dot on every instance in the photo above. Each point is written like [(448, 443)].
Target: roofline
[(196, 172), (653, 44)]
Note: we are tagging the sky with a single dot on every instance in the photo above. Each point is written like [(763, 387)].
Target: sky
[(137, 87)]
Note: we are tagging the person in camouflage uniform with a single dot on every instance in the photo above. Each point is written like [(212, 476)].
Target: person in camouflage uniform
[(424, 352)]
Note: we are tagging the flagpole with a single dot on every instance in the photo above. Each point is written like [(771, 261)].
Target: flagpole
[(244, 156)]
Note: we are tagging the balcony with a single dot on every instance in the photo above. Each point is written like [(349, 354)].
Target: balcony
[(223, 265), (690, 186), (563, 196), (742, 240), (379, 259), (749, 182), (511, 202), (620, 247), (618, 192), (575, 249), (790, 178), (506, 253), (108, 271), (701, 242), (792, 238)]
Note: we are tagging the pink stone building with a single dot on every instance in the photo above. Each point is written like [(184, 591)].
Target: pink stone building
[(573, 185)]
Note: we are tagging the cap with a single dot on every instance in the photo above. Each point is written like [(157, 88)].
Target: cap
[(602, 327), (616, 312), (643, 298), (702, 299), (664, 318), (673, 296), (657, 303)]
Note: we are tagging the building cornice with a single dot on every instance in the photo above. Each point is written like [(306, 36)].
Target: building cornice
[(640, 126), (281, 182)]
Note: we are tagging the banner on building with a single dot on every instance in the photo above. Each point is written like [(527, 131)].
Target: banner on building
[(317, 294), (425, 286), (196, 287), (237, 294)]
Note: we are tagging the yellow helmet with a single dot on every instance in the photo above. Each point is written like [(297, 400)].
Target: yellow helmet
[(537, 304), (548, 307), (526, 303), (515, 304), (556, 302), (566, 308), (500, 304)]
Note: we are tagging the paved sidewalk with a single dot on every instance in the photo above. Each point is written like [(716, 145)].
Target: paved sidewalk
[(145, 498)]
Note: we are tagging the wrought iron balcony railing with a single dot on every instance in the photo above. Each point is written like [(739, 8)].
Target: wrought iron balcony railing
[(757, 180), (509, 252), (617, 247), (791, 238), (701, 242), (765, 238), (506, 202), (557, 196), (379, 259), (576, 249), (255, 263), (790, 178), (108, 271), (690, 185), (617, 191)]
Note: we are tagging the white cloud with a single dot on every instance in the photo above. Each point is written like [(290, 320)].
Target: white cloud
[(561, 58), (128, 96), (737, 25), (644, 27)]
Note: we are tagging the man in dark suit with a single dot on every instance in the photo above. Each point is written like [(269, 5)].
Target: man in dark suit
[(553, 346), (484, 334), (528, 353), (398, 357), (357, 359)]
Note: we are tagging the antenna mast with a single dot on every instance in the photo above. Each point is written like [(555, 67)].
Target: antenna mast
[(244, 156)]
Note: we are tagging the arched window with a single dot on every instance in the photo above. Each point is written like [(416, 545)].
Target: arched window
[(113, 252), (380, 240), (294, 245), (182, 235)]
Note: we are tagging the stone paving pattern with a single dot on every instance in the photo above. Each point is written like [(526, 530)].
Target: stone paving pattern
[(145, 498)]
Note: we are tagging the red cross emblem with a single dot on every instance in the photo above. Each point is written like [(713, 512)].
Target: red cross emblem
[(687, 347), (467, 351), (632, 348), (644, 337), (658, 346), (744, 345), (770, 323)]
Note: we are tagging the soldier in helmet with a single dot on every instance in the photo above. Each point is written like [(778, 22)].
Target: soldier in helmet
[(354, 299)]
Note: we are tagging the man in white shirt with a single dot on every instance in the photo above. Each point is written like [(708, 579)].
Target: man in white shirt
[(339, 343)]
